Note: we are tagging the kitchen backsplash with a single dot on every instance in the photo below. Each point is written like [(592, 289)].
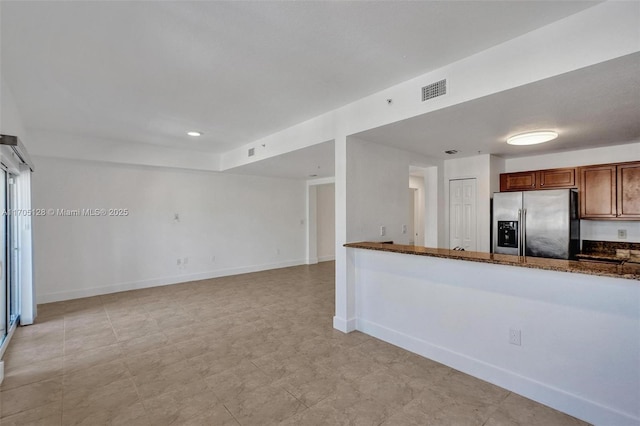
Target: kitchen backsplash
[(607, 230)]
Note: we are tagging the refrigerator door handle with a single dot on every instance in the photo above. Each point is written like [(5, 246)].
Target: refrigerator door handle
[(520, 232), (524, 232)]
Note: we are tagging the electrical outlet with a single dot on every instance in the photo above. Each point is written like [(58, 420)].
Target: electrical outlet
[(515, 337), (179, 262), (404, 229), (383, 231), (622, 234), (185, 261)]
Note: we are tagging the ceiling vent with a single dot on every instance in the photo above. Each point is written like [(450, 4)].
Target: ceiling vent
[(434, 90), (252, 152)]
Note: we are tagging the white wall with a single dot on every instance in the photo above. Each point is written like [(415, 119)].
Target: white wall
[(247, 223), (371, 191), (437, 234), (10, 120), (602, 230), (581, 157), (418, 183), (326, 222), (607, 230), (497, 165), (377, 179), (579, 351)]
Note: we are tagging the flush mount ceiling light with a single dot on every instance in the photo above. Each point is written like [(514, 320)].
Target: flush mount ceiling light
[(194, 133), (532, 138)]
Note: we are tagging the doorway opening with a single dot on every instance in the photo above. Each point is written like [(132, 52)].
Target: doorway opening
[(321, 222), (424, 208)]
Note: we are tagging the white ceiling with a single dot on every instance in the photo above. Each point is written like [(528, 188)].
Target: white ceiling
[(314, 162), (594, 106), (147, 72), (590, 107)]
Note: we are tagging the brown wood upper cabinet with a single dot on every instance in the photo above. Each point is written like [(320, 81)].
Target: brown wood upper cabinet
[(610, 191), (538, 179)]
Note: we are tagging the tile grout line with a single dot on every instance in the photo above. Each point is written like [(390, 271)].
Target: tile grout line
[(230, 413), (312, 329), (497, 407), (64, 349), (131, 376)]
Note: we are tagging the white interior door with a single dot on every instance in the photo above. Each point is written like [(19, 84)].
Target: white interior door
[(462, 214)]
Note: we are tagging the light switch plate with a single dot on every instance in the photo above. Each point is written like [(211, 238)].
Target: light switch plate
[(515, 337)]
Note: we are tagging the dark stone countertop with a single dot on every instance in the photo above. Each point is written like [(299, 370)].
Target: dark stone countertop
[(607, 251), (625, 270)]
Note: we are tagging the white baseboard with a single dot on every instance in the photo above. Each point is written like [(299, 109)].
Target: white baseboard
[(346, 326), (157, 282), (326, 258), (571, 404)]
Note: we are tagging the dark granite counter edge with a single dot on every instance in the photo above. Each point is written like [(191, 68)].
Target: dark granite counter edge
[(626, 271)]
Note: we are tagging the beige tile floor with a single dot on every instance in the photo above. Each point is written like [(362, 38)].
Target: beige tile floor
[(254, 349)]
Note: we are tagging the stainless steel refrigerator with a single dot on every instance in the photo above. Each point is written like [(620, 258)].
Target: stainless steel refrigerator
[(537, 223)]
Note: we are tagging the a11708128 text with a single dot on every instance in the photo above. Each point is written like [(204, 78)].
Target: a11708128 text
[(99, 212)]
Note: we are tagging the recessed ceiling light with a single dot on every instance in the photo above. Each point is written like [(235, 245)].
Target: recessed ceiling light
[(532, 138), (194, 133)]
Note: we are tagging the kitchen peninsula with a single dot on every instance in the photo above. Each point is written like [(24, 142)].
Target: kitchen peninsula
[(619, 270), (564, 333)]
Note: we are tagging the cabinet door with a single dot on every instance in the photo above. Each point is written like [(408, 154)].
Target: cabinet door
[(598, 192), (558, 178), (522, 181), (629, 190)]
